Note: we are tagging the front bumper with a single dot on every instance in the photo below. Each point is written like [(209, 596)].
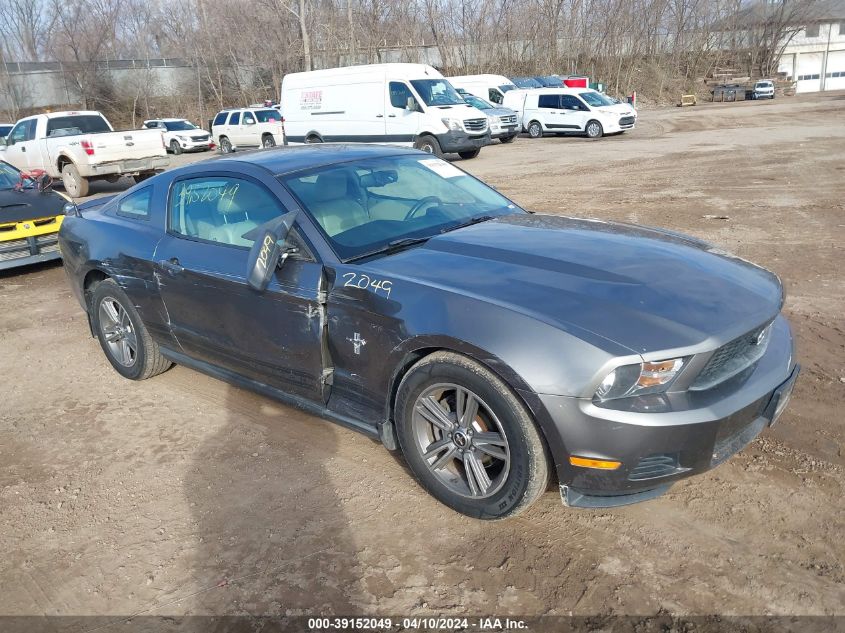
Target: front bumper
[(29, 250), (503, 131), (196, 146), (455, 141), (670, 437)]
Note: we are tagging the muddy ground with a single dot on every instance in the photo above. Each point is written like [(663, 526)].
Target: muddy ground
[(183, 495)]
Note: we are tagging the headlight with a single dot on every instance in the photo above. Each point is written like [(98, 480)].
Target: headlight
[(606, 111), (181, 138), (453, 124), (638, 379)]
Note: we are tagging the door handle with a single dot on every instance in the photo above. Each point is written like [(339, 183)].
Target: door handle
[(379, 116), (172, 265), (23, 149), (392, 116)]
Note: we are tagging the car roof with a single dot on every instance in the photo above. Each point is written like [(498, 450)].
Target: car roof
[(286, 160)]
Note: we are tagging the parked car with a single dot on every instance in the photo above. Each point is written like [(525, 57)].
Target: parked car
[(242, 128), (79, 147), (489, 87), (763, 89), (390, 291), (30, 216), (180, 135), (501, 121), (5, 128), (526, 82), (401, 104), (568, 110)]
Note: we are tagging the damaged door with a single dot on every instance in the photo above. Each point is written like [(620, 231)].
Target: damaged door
[(271, 336)]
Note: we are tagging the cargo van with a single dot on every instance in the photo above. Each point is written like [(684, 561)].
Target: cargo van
[(489, 87), (567, 110), (401, 104)]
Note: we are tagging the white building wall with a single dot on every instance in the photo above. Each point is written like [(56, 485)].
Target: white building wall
[(818, 62)]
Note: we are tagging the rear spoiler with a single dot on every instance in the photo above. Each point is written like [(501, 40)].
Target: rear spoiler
[(71, 208)]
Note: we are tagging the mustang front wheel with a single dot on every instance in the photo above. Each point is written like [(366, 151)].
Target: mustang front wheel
[(468, 439), (122, 335)]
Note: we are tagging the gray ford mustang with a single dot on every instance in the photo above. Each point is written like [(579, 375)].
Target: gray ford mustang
[(391, 292)]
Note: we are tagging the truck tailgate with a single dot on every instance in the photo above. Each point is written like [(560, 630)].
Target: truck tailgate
[(124, 146)]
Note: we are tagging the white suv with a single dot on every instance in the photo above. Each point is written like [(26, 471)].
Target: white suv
[(180, 135), (562, 110), (763, 89), (248, 127)]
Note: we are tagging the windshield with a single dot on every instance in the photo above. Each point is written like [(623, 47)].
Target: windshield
[(366, 205), (476, 102), (177, 126), (76, 124), (436, 92), (266, 116), (9, 177), (764, 84), (595, 99)]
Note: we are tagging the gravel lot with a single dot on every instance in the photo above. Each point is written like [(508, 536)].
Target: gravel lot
[(183, 495)]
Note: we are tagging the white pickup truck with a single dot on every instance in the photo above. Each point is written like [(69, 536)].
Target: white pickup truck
[(82, 146)]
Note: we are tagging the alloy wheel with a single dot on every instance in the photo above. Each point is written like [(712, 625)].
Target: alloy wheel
[(118, 332), (461, 440)]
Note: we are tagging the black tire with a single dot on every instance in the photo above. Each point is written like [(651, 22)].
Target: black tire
[(313, 139), (593, 129), (429, 145), (75, 185), (267, 141), (175, 147), (516, 482), (535, 129), (146, 360), (226, 145), (508, 139), (470, 153)]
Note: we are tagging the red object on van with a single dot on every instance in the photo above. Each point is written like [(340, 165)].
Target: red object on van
[(576, 82)]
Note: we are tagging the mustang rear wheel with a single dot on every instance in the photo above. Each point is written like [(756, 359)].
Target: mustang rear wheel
[(468, 439), (122, 335)]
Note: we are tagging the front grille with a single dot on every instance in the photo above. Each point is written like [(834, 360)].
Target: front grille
[(13, 249), (508, 119), (733, 357), (200, 138), (654, 466), (475, 125), (627, 120), (736, 437)]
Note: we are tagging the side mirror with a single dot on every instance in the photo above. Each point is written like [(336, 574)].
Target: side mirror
[(266, 252), (411, 104), (3, 141), (249, 122)]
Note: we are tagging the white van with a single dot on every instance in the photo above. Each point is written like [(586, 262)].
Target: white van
[(401, 104), (561, 110), (489, 87)]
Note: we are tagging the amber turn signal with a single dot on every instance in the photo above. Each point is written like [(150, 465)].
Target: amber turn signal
[(600, 464)]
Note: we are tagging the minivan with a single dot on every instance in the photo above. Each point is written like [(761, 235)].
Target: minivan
[(569, 110)]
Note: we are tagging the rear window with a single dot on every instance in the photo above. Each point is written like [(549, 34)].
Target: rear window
[(77, 124), (266, 116), (220, 119)]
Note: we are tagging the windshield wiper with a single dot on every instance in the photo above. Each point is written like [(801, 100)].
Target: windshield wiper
[(478, 219), (391, 247)]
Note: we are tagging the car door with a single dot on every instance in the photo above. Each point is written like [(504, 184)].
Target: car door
[(549, 112), (233, 127), (574, 113), (401, 123), (249, 135), (21, 150), (273, 337)]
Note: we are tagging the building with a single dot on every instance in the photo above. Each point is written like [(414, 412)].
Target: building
[(815, 57)]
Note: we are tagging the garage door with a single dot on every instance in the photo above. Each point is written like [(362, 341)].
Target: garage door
[(835, 79), (809, 72)]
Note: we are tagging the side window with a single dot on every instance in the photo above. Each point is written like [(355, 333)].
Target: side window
[(220, 119), (495, 95), (248, 118), (568, 102), (235, 119), (548, 101), (19, 132), (399, 94), (220, 209), (136, 205)]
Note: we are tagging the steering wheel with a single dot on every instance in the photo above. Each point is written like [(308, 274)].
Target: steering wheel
[(420, 205)]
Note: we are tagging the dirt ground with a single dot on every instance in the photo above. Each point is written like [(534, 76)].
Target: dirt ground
[(183, 495)]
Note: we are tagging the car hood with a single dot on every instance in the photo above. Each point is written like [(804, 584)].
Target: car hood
[(29, 204), (644, 289), (624, 109)]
